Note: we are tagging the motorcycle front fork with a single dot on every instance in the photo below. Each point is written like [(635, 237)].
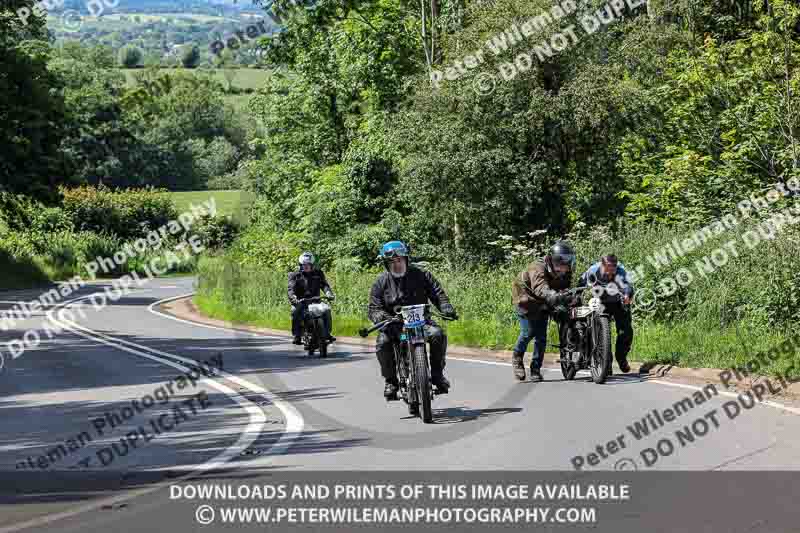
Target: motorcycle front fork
[(402, 370), (577, 331)]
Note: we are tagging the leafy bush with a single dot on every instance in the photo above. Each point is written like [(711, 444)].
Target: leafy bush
[(216, 232), (127, 214)]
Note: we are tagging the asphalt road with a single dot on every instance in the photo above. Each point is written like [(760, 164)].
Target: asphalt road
[(272, 410)]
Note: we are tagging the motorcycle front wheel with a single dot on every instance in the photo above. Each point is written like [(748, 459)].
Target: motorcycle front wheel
[(568, 370), (600, 361), (308, 338), (423, 383), (321, 338)]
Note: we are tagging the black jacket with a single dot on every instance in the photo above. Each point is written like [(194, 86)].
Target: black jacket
[(307, 285), (415, 288)]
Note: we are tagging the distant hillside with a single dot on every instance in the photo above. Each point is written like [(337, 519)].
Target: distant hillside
[(217, 7)]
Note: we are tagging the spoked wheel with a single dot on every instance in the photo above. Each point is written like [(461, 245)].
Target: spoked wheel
[(600, 360), (423, 383), (308, 341), (321, 338)]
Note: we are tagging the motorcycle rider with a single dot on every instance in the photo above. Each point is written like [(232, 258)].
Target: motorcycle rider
[(306, 282), (405, 284), (535, 294), (609, 281)]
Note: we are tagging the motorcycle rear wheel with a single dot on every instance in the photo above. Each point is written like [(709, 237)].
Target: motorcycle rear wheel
[(423, 383), (600, 361)]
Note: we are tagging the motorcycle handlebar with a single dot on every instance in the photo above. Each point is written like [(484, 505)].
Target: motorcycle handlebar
[(363, 332), (315, 299)]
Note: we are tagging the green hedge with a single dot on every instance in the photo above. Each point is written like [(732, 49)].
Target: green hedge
[(126, 214)]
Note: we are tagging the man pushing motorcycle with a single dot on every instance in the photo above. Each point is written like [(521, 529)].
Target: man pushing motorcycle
[(405, 284), (609, 282), (535, 295)]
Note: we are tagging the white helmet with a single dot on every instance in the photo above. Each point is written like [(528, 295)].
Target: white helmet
[(307, 258)]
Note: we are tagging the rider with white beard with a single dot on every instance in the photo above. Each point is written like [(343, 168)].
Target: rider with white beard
[(405, 284)]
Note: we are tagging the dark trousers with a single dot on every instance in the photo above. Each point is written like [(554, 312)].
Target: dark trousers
[(384, 349), (298, 313), (532, 330), (624, 323)]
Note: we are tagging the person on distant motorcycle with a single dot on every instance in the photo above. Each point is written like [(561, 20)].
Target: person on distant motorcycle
[(306, 282), (405, 284), (535, 294), (609, 281)]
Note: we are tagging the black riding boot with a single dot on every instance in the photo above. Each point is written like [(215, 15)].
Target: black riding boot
[(390, 390)]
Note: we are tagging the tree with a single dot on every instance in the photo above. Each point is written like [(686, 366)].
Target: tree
[(130, 57), (190, 57), (31, 107)]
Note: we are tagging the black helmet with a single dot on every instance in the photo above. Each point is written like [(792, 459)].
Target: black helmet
[(561, 253)]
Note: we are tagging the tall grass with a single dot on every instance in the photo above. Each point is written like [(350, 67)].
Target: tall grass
[(720, 319)]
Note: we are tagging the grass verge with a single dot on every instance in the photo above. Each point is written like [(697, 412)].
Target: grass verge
[(258, 297)]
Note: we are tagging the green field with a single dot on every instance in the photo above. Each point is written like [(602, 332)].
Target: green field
[(243, 78), (227, 201)]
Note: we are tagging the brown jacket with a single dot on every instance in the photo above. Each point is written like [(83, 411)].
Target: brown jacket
[(532, 287)]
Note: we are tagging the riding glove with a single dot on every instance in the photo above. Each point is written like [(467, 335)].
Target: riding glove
[(449, 311)]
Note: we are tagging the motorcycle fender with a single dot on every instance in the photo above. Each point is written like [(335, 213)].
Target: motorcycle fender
[(415, 336)]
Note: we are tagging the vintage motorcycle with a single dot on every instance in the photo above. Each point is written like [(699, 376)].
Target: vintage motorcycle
[(590, 327), (314, 332), (411, 358)]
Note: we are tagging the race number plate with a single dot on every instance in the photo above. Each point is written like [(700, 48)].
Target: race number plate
[(413, 315)]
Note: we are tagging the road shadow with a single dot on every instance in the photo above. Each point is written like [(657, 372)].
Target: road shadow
[(455, 415), (304, 395), (617, 379)]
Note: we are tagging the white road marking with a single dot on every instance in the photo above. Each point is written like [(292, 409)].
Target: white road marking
[(294, 423), (770, 403)]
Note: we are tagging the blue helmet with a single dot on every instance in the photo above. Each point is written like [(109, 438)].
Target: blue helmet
[(391, 250)]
